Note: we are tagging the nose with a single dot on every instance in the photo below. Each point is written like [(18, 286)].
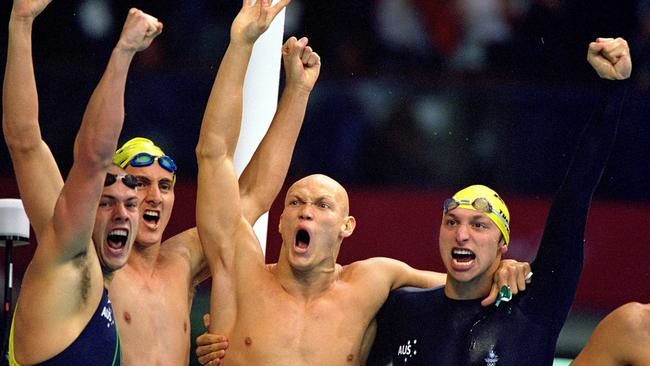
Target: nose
[(462, 233), (306, 212), (154, 196), (120, 213)]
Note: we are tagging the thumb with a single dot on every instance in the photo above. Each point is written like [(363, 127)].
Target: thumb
[(206, 320), (492, 297)]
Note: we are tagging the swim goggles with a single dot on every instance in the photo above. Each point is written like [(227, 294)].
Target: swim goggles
[(129, 180), (146, 159), (480, 204)]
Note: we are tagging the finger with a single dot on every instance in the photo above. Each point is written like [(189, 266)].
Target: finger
[(202, 351), (286, 48), (206, 320), (620, 49), (207, 339), (204, 360), (216, 362), (304, 55), (513, 284), (529, 277), (521, 280), (492, 296), (314, 59), (266, 12), (609, 55), (221, 343), (298, 47), (211, 357), (280, 5), (218, 349), (595, 48)]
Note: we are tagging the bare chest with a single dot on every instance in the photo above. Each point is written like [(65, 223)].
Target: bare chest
[(153, 316), (328, 331)]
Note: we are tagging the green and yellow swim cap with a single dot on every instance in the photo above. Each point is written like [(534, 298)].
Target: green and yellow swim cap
[(481, 198)]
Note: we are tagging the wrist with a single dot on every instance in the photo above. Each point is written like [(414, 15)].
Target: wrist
[(21, 22), (241, 43), (122, 47), (298, 89)]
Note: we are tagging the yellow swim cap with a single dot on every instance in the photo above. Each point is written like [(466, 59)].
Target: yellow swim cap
[(497, 210), (135, 146)]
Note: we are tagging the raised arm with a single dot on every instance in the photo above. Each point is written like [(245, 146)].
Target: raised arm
[(31, 157), (218, 208), (560, 256), (96, 141), (263, 177)]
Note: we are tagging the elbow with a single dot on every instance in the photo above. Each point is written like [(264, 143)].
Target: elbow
[(18, 139), (210, 147), (94, 152)]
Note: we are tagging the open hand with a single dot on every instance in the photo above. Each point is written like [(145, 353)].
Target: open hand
[(254, 19)]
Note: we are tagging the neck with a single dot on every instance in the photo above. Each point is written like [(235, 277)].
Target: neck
[(108, 277), (476, 288), (306, 284), (144, 257)]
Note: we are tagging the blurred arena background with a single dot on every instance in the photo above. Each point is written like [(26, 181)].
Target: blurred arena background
[(416, 99)]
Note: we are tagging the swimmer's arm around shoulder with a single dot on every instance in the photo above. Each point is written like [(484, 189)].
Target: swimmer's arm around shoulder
[(398, 274)]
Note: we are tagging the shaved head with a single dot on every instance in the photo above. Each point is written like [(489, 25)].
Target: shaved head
[(328, 186)]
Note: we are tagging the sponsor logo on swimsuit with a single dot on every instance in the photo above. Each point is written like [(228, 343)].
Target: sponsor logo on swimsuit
[(407, 350), (492, 358), (107, 313)]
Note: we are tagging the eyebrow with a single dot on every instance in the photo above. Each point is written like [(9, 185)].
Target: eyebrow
[(317, 199), (471, 217)]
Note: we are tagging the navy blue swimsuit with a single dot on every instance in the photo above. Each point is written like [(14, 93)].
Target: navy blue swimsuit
[(97, 345), (424, 327)]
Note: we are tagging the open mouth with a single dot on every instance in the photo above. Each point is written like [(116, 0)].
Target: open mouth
[(117, 238), (462, 256), (302, 239), (151, 216)]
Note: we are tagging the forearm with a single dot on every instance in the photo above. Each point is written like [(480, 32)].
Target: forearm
[(223, 112), (20, 98), (426, 279), (263, 177), (104, 115), (31, 157)]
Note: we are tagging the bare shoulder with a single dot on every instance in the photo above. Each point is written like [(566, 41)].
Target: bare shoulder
[(375, 268), (185, 244), (620, 338), (633, 316), (375, 263), (184, 240)]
